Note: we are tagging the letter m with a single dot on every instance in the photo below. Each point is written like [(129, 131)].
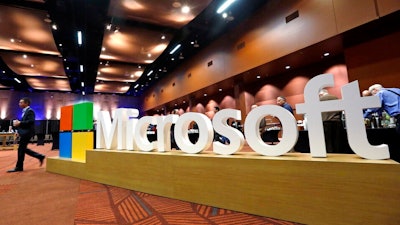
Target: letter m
[(114, 135)]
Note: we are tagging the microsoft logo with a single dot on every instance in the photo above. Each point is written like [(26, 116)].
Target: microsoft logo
[(76, 130)]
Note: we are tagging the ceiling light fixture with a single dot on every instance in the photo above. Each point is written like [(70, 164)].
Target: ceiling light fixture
[(83, 92), (81, 68), (79, 34), (287, 67), (224, 6), (137, 85), (54, 26), (82, 84), (12, 40), (185, 9), (24, 56), (162, 37), (108, 27), (326, 54), (16, 79), (149, 73), (174, 50)]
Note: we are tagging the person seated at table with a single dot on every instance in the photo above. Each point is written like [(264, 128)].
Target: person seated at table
[(281, 101), (389, 98), (217, 136)]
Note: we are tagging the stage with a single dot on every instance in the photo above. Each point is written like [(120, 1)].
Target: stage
[(339, 189)]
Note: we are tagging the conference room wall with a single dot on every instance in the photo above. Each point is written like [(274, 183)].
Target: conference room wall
[(47, 104), (375, 61), (262, 38)]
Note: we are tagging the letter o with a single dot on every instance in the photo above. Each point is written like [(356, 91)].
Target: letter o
[(252, 133), (206, 132)]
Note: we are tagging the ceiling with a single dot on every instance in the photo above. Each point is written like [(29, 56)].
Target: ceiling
[(125, 44)]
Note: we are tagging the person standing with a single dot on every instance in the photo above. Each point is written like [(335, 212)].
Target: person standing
[(26, 130), (281, 101), (389, 98)]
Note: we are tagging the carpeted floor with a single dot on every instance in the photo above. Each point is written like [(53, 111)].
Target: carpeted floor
[(37, 197)]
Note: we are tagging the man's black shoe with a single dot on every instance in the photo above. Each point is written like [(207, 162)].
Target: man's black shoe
[(14, 170), (41, 160)]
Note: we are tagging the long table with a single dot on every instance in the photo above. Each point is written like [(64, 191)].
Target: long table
[(8, 137), (376, 136)]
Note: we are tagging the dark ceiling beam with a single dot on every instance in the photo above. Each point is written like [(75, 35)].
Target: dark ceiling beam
[(87, 16)]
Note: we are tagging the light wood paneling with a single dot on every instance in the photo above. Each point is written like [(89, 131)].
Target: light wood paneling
[(339, 189), (350, 14), (387, 6)]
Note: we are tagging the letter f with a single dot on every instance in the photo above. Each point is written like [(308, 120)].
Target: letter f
[(352, 104)]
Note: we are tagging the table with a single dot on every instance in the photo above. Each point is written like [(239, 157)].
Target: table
[(8, 137), (376, 136)]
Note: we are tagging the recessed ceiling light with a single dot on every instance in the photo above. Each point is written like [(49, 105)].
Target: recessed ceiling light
[(205, 95), (60, 45), (24, 56), (185, 9), (220, 89), (287, 67), (12, 40), (258, 76), (162, 37), (149, 55), (103, 49), (326, 54), (79, 35), (54, 26), (32, 65)]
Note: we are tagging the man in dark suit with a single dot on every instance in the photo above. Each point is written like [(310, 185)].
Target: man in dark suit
[(26, 130)]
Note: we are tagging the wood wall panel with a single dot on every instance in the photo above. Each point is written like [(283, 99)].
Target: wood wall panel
[(268, 36), (387, 6), (350, 14), (376, 61)]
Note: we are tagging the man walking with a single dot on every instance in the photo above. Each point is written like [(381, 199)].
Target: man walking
[(26, 130)]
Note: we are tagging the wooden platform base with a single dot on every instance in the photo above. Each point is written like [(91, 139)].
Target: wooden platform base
[(339, 189)]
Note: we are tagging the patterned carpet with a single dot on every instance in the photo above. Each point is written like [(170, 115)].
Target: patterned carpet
[(65, 200)]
